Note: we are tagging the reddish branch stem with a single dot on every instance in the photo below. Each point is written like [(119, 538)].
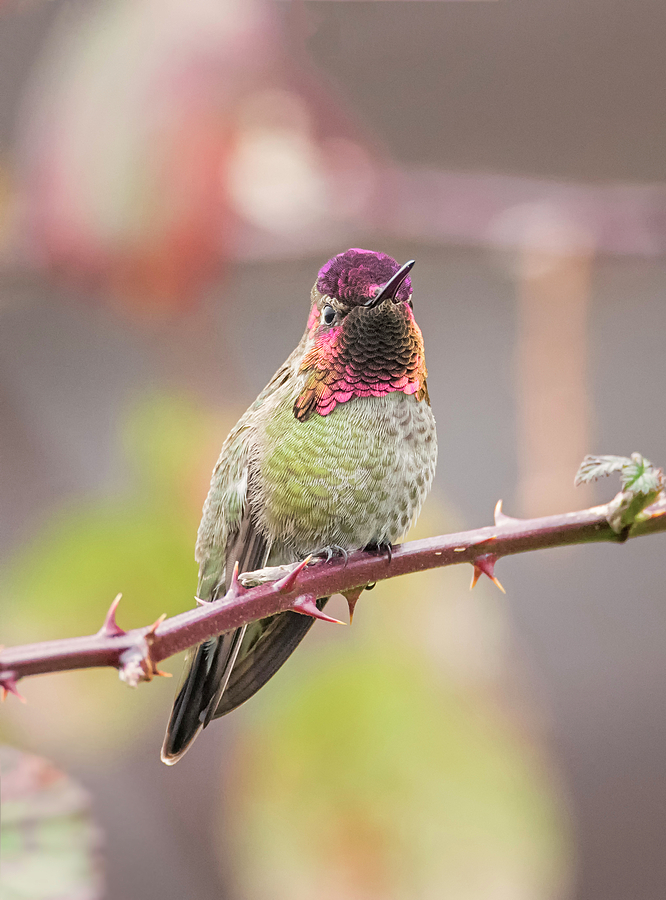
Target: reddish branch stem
[(140, 649)]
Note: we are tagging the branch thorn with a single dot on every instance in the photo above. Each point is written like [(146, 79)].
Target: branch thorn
[(150, 634), (110, 628), (284, 585), (235, 588), (160, 673), (305, 604), (485, 540), (8, 686), (501, 518), (352, 597), (485, 565)]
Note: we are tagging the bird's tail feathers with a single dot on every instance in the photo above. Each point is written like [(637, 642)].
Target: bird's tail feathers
[(207, 670)]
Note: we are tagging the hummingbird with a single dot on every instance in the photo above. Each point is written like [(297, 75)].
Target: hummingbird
[(337, 453)]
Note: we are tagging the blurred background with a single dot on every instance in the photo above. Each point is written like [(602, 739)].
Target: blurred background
[(172, 176)]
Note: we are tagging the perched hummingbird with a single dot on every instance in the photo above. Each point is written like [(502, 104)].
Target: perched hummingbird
[(337, 453)]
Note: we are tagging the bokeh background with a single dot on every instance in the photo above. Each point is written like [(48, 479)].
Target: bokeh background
[(172, 176)]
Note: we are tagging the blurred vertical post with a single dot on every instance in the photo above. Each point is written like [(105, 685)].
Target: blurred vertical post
[(552, 393)]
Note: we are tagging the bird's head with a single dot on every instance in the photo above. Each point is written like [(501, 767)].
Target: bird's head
[(362, 336)]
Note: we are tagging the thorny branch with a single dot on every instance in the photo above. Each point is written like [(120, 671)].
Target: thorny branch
[(136, 653)]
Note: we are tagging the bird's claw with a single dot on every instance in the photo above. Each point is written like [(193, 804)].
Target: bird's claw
[(329, 552)]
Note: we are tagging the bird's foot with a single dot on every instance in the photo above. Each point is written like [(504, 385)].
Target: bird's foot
[(329, 552), (274, 573)]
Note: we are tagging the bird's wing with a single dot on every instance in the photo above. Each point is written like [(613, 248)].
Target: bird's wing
[(209, 665), (228, 534)]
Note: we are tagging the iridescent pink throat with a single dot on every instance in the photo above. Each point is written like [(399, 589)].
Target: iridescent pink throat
[(370, 355)]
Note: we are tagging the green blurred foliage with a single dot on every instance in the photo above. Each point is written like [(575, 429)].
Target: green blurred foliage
[(49, 845), (140, 543)]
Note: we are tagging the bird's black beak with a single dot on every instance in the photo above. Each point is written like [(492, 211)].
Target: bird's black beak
[(391, 287)]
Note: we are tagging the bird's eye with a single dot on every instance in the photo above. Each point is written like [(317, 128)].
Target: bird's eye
[(327, 315)]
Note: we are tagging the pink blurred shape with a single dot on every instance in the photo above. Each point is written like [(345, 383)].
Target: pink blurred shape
[(157, 134)]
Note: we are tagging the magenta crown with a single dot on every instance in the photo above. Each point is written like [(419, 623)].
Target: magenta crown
[(354, 276)]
